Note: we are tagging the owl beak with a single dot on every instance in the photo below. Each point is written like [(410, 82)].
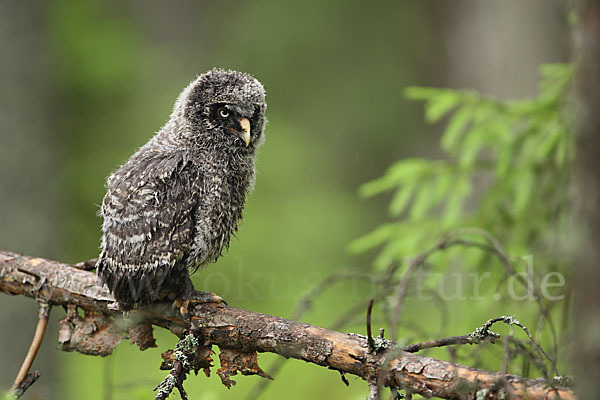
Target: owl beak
[(245, 133)]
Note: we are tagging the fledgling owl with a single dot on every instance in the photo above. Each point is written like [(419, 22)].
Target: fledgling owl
[(174, 205)]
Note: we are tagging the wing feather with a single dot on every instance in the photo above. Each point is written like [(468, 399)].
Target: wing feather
[(148, 212)]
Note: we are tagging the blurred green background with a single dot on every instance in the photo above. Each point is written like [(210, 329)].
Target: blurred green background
[(84, 83)]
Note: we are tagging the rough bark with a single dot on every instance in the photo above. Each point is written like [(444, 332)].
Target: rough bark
[(247, 332)]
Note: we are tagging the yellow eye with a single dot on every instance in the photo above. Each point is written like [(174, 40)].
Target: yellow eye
[(223, 113)]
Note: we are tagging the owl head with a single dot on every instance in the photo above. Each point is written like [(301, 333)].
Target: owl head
[(223, 108)]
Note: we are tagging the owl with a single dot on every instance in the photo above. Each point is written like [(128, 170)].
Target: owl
[(173, 206)]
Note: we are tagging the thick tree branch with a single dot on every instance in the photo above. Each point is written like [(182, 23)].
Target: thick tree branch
[(246, 331)]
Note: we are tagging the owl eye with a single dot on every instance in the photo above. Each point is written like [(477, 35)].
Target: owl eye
[(223, 113)]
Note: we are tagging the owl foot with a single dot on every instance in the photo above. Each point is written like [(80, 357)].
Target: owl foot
[(196, 298)]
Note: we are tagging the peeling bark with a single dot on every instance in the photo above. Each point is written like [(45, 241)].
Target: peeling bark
[(244, 332), (234, 361), (94, 334), (142, 335)]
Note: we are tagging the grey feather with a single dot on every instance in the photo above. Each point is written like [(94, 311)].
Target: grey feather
[(174, 205)]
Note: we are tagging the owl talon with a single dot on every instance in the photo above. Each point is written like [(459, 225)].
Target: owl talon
[(196, 298)]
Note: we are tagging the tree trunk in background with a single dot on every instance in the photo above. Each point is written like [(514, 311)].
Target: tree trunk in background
[(28, 178), (587, 342), (497, 47)]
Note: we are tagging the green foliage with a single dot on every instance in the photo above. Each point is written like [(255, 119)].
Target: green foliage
[(8, 396), (499, 200), (506, 171)]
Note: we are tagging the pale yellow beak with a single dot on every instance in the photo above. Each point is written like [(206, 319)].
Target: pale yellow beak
[(245, 134)]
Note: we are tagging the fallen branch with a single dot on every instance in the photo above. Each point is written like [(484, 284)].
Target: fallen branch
[(245, 332)]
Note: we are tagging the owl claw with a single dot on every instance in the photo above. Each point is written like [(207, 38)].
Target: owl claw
[(196, 297), (114, 306)]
